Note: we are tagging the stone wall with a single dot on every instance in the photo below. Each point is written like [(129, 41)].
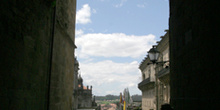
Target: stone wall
[(85, 99), (148, 99), (25, 38), (26, 32), (62, 76), (194, 28)]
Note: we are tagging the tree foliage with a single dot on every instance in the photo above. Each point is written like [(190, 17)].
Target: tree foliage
[(107, 97)]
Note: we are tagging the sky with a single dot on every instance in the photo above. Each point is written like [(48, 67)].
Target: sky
[(113, 37)]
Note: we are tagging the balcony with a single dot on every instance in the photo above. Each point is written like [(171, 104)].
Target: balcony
[(163, 72), (146, 84), (163, 75)]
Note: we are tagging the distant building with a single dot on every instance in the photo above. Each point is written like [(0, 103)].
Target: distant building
[(135, 103), (82, 95), (136, 100), (75, 85)]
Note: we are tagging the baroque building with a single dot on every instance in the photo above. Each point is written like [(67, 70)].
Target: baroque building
[(147, 86), (155, 85), (75, 85), (82, 95), (163, 72)]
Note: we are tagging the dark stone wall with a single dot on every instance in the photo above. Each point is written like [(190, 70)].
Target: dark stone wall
[(62, 76), (194, 62), (84, 98), (25, 38), (26, 31)]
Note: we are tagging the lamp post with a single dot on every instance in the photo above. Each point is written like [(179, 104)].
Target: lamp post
[(153, 55)]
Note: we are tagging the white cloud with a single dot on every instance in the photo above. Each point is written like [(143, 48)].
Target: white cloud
[(79, 32), (113, 45), (131, 85), (112, 77), (83, 15), (121, 4), (108, 77)]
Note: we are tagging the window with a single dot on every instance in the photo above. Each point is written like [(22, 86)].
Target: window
[(143, 76)]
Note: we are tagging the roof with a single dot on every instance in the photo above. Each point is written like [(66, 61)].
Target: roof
[(136, 98), (84, 87), (144, 63)]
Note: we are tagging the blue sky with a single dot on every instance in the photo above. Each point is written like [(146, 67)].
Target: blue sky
[(113, 37)]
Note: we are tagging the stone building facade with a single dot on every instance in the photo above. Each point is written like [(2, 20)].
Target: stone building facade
[(147, 86), (37, 54), (75, 85), (163, 71), (82, 95), (155, 85)]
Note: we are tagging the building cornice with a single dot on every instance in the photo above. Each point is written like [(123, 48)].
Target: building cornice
[(163, 43), (144, 63)]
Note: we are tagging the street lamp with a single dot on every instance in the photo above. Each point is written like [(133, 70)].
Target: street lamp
[(153, 54)]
